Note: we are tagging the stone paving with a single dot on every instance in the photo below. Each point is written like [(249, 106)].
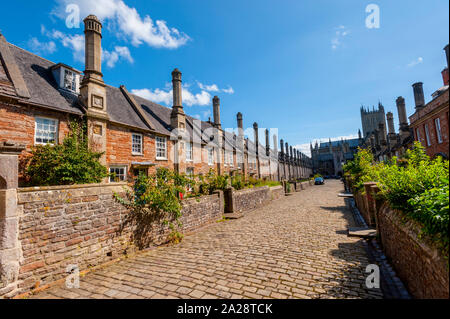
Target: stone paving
[(294, 247)]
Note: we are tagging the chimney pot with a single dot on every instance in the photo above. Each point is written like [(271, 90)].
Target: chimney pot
[(216, 111), (177, 92), (418, 95)]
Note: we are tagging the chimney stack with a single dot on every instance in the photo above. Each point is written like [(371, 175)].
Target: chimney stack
[(267, 142), (390, 121), (177, 95), (92, 87), (287, 150), (445, 76), (447, 54), (418, 95), (382, 130), (93, 49), (177, 117), (275, 147), (282, 147), (216, 112), (256, 137)]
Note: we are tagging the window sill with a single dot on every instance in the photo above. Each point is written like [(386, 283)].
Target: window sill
[(137, 154), (161, 159)]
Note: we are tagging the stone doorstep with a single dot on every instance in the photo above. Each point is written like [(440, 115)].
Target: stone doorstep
[(236, 215), (347, 195), (361, 232)]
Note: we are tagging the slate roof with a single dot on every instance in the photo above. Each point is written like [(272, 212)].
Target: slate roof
[(45, 92), (41, 83)]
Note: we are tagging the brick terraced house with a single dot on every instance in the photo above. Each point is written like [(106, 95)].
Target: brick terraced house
[(430, 121), (39, 98)]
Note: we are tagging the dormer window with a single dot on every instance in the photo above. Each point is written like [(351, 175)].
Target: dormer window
[(66, 77), (70, 80)]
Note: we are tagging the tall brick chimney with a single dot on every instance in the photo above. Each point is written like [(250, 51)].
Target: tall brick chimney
[(177, 116), (382, 132), (390, 122), (93, 48), (256, 137), (282, 147), (445, 76), (216, 112), (392, 137), (287, 150), (240, 124), (92, 87), (418, 95), (447, 55), (267, 142), (403, 120)]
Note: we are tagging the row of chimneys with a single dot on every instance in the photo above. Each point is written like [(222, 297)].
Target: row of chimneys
[(93, 36), (418, 87), (419, 102)]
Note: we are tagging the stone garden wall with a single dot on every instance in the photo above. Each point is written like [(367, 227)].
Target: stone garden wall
[(251, 198), (276, 192), (84, 225), (417, 262)]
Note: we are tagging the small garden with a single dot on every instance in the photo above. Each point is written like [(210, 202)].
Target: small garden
[(414, 184)]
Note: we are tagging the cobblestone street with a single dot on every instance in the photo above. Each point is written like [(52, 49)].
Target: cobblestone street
[(294, 247)]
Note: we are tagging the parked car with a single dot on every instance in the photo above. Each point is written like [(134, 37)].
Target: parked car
[(319, 181)]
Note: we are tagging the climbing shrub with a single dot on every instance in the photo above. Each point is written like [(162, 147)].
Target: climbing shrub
[(68, 163), (415, 184), (155, 198)]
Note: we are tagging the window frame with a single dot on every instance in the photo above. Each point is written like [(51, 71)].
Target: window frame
[(74, 80), (191, 152), (161, 158), (210, 157), (427, 134), (36, 130), (125, 172), (141, 146), (418, 134), (437, 124)]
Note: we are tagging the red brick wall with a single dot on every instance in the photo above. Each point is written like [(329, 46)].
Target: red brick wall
[(17, 124), (118, 149), (427, 116)]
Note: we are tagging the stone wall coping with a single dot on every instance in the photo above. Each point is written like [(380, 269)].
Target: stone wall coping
[(249, 190), (199, 199), (275, 187), (64, 187)]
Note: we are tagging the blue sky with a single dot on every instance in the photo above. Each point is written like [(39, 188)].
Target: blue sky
[(304, 67)]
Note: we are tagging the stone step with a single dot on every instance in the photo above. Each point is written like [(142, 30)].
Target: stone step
[(362, 232), (349, 195), (233, 215)]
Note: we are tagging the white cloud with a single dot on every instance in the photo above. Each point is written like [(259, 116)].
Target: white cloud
[(229, 90), (417, 61), (166, 96), (111, 58), (210, 88), (41, 47), (305, 148), (215, 88), (340, 32), (157, 96), (74, 42), (128, 22)]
